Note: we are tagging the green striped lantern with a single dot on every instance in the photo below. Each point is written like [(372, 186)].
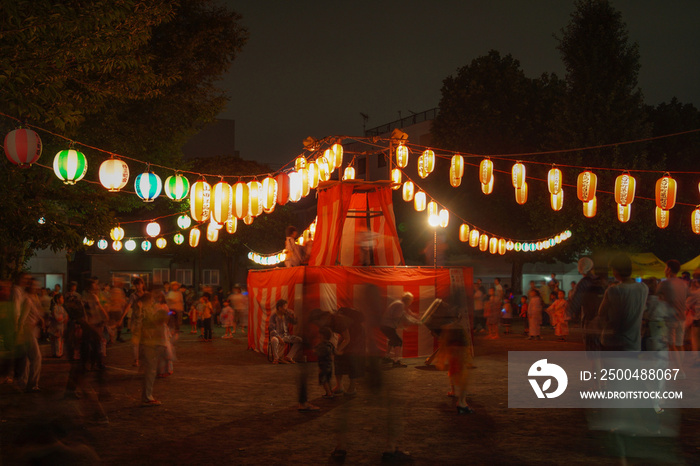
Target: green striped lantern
[(70, 166), (148, 186), (177, 187)]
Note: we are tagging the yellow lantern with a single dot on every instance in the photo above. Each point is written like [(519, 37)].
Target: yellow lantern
[(408, 188), (493, 245), (255, 206), (240, 199), (312, 175), (324, 171), (590, 208), (488, 187), (336, 155), (294, 188), (557, 200), (194, 237), (221, 197), (433, 220), (421, 168), (214, 224), (457, 165), (501, 246), (305, 187), (662, 217), (586, 185), (444, 218), (474, 238), (518, 175), (419, 201), (464, 232), (300, 162), (402, 156), (554, 181), (432, 208), (521, 194), (428, 163), (114, 174), (269, 193), (666, 188), (200, 201), (396, 178), (248, 219), (231, 224), (161, 242), (483, 242), (212, 233), (116, 233), (455, 180), (117, 245), (349, 174), (486, 172), (695, 220), (625, 186), (153, 229), (623, 212)]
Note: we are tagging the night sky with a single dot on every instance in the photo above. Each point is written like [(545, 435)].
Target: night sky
[(311, 67)]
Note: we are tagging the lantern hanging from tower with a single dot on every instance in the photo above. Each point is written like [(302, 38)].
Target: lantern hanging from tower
[(483, 242), (518, 175), (324, 170), (554, 181), (240, 199), (432, 208), (116, 233), (444, 218), (312, 175), (666, 188), (662, 217), (221, 198), (586, 185), (255, 205), (401, 156), (148, 186), (464, 232), (408, 191), (282, 188), (300, 162), (269, 193), (486, 172), (623, 212), (625, 185), (419, 201), (501, 246), (396, 179), (231, 225), (487, 188), (349, 173), (22, 147), (294, 188), (521, 194), (114, 174), (200, 201), (493, 245), (457, 165), (70, 166), (455, 180), (474, 236), (557, 200), (336, 155), (177, 187), (426, 163), (590, 208)]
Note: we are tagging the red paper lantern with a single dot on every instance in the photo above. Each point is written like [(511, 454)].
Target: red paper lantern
[(282, 188), (22, 147), (666, 188), (586, 185)]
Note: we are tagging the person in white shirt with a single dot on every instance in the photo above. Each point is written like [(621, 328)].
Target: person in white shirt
[(295, 254), (395, 316)]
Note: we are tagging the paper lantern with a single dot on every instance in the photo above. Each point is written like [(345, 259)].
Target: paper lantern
[(231, 225), (241, 204), (116, 233), (269, 192), (114, 174), (464, 232), (305, 186), (474, 238), (493, 245), (212, 234), (148, 186), (294, 188), (102, 244), (408, 191), (349, 174), (517, 247), (510, 245), (22, 147), (666, 188), (153, 229), (557, 200), (586, 185), (457, 165), (518, 175), (623, 212), (396, 178), (117, 245), (432, 208), (336, 155), (161, 243), (488, 187), (433, 220), (419, 201), (590, 208), (695, 220), (662, 217), (248, 219), (194, 237), (146, 245), (130, 245), (184, 221), (402, 156), (88, 242), (483, 242), (324, 170), (176, 187), (200, 201), (455, 180), (312, 175), (300, 162), (521, 194), (501, 246), (554, 181), (444, 218), (70, 166), (486, 172), (625, 186), (426, 163), (282, 188), (255, 205)]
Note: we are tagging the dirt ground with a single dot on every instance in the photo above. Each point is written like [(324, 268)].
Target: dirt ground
[(226, 404)]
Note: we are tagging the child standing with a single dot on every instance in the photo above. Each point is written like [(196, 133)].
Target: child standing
[(57, 325), (192, 316), (534, 315), (325, 351), (227, 318), (205, 310), (560, 320)]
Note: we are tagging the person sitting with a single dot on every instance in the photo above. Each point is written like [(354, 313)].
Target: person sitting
[(279, 334)]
